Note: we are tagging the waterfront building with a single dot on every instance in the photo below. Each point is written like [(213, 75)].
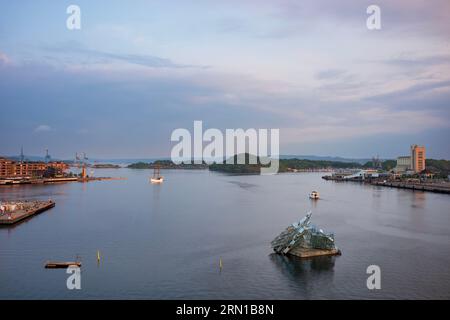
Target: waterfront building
[(6, 167), (27, 169), (417, 158), (414, 163), (403, 164)]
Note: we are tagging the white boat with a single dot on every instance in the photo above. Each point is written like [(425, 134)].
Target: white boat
[(157, 177), (157, 180), (314, 195)]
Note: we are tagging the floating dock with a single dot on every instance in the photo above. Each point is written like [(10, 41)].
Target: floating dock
[(61, 265), (24, 209)]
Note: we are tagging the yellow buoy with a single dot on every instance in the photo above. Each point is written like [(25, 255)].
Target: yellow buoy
[(220, 263), (98, 256)]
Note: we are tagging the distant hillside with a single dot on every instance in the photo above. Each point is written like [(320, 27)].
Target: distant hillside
[(235, 168), (385, 165), (442, 166), (285, 165), (165, 164), (324, 158), (300, 164)]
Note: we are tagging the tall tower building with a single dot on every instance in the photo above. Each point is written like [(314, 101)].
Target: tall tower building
[(417, 158)]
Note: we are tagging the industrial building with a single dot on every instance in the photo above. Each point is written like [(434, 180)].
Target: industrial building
[(414, 163)]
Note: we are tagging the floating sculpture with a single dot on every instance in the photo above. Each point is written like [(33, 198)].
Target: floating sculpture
[(305, 240)]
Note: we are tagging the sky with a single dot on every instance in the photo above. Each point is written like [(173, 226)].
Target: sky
[(137, 70)]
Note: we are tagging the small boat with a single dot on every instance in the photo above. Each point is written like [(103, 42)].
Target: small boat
[(157, 177), (61, 265), (314, 195)]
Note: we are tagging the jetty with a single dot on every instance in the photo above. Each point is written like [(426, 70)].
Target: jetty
[(10, 182), (385, 180), (421, 186), (15, 211)]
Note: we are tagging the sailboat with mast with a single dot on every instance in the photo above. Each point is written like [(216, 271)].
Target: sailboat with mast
[(157, 177)]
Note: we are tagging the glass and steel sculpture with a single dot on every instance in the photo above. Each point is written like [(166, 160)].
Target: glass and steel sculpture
[(303, 234)]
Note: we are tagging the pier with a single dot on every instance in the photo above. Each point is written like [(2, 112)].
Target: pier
[(14, 212), (12, 182), (431, 187), (438, 187)]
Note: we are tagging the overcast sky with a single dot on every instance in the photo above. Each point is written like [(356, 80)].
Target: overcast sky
[(139, 69)]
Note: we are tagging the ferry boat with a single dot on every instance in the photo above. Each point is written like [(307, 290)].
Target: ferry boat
[(157, 177), (314, 195)]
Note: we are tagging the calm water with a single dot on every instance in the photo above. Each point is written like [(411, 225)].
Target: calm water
[(165, 241)]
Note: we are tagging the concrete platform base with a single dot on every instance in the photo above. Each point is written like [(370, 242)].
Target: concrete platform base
[(310, 253)]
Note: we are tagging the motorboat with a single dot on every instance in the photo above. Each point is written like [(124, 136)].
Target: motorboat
[(314, 195)]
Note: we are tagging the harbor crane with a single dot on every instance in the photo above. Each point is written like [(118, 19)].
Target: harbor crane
[(47, 156)]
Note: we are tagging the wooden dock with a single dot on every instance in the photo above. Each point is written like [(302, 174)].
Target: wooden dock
[(61, 265), (26, 209)]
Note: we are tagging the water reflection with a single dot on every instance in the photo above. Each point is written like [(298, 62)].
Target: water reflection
[(304, 269), (243, 185), (418, 203), (418, 199), (313, 203), (377, 197), (11, 227), (156, 190), (414, 199)]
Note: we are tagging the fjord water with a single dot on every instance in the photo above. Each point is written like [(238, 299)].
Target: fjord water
[(165, 241)]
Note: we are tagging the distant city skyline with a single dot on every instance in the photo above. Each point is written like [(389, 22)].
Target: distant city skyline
[(32, 157), (136, 71)]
